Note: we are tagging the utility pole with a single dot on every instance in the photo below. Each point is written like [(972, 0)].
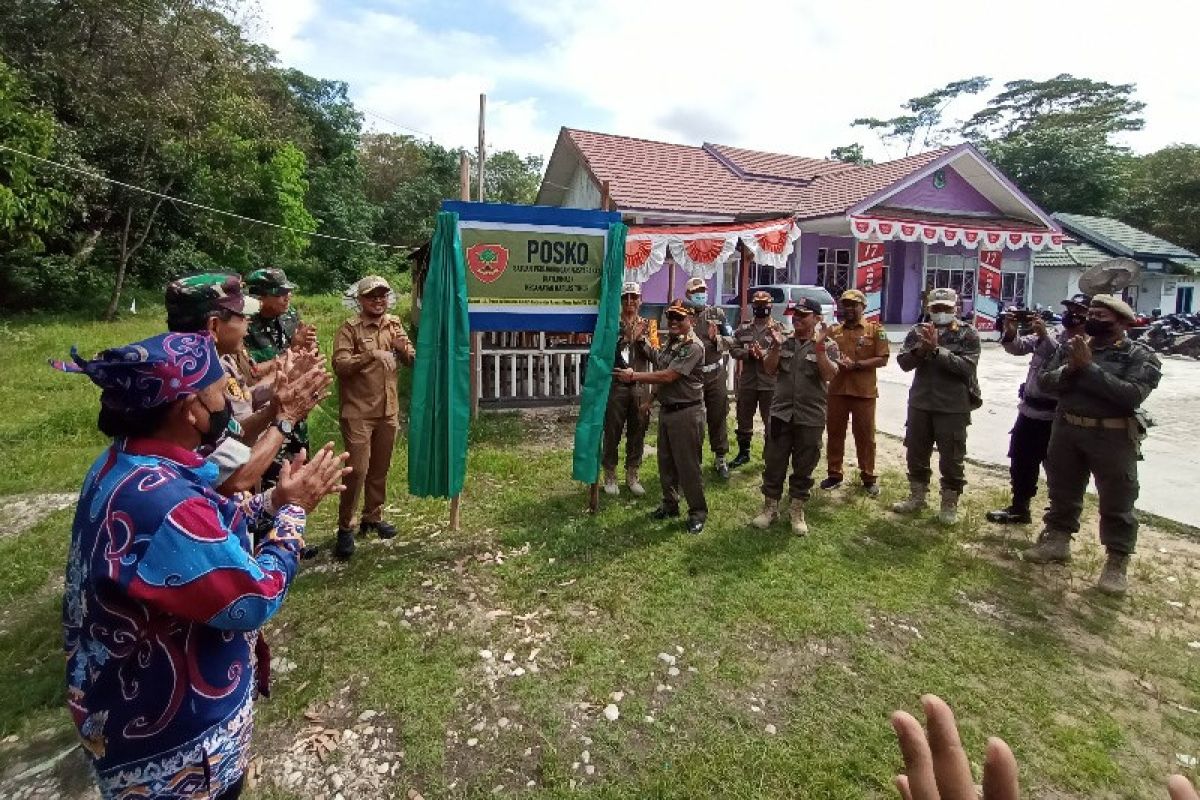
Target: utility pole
[(482, 153)]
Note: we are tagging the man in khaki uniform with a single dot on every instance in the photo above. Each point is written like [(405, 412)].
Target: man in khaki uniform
[(712, 328), (755, 386), (365, 352), (945, 353), (680, 417), (803, 367), (628, 407), (1101, 380), (863, 346)]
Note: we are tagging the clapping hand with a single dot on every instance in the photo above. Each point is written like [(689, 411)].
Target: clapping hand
[(756, 351), (387, 358), (297, 393), (1039, 328), (712, 330), (776, 338), (305, 482), (929, 337), (1079, 353), (845, 363), (640, 329)]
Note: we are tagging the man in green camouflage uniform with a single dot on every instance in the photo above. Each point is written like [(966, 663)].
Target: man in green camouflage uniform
[(755, 386), (1101, 380), (680, 417), (945, 390), (712, 329)]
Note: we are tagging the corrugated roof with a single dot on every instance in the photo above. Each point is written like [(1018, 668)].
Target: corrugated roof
[(1073, 254), (1120, 238)]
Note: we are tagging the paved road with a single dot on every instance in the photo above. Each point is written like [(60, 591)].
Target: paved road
[(1168, 474)]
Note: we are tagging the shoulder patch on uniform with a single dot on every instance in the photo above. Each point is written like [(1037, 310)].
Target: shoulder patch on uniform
[(881, 333)]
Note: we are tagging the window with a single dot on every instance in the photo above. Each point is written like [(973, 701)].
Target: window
[(951, 272), (1012, 288), (833, 270)]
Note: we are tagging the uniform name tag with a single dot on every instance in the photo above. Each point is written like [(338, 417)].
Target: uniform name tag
[(811, 357)]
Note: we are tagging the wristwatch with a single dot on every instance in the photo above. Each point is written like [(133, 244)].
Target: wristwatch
[(285, 426)]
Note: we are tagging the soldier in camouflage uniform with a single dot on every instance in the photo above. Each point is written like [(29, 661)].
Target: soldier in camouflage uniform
[(680, 417), (945, 390), (712, 328), (1101, 380), (755, 386)]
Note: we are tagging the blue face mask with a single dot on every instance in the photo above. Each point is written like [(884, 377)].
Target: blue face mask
[(698, 298)]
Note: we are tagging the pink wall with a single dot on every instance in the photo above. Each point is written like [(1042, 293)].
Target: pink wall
[(957, 196)]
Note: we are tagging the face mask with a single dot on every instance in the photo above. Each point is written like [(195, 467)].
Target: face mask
[(1099, 327), (942, 317), (698, 298), (218, 426), (1073, 320), (762, 311)]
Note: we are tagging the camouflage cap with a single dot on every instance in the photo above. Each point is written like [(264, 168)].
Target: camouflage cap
[(942, 297), (854, 296), (193, 298), (269, 281), (762, 297), (1115, 305), (695, 284)]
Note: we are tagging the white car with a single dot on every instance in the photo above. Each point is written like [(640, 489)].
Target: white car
[(785, 296)]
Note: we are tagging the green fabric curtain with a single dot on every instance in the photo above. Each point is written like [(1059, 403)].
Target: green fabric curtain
[(441, 392), (590, 429)]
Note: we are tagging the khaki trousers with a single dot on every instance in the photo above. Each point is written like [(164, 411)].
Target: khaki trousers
[(860, 411), (716, 410), (369, 443), (624, 414), (680, 442)]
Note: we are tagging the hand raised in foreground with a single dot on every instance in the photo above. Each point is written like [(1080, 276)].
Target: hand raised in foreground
[(305, 482), (936, 765)]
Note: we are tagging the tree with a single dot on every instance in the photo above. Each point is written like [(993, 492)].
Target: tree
[(923, 123), (510, 178), (1064, 101), (851, 154), (1164, 195)]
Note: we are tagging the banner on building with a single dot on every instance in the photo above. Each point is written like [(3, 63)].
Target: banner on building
[(532, 268), (987, 290), (868, 276)]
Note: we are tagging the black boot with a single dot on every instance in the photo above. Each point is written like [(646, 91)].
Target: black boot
[(345, 544), (1017, 513), (743, 456), (385, 529)]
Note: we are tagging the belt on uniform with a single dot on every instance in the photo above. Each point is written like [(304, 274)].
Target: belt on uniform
[(713, 367), (670, 408), (1114, 423)]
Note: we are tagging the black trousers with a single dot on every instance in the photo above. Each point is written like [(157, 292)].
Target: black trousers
[(1027, 445)]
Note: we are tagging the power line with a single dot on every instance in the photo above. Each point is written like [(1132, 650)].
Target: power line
[(390, 121), (201, 206)]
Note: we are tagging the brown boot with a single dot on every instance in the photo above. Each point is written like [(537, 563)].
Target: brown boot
[(799, 523), (915, 500), (948, 515), (1112, 579), (1053, 547), (768, 515)]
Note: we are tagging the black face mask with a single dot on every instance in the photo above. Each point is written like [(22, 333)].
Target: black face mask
[(1099, 327), (761, 311), (1073, 320), (218, 425)]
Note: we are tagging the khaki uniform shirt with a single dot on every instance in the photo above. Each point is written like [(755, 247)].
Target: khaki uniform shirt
[(243, 400), (1118, 380), (713, 348), (800, 393), (945, 379), (685, 356), (367, 390), (865, 340), (754, 376), (638, 355)]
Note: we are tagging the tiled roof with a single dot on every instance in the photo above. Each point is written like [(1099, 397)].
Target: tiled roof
[(1073, 254), (645, 174), (1121, 239), (756, 163), (838, 192)]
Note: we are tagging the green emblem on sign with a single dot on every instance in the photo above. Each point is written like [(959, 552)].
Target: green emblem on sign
[(939, 179)]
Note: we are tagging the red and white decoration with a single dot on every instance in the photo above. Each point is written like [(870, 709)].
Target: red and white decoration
[(868, 276), (702, 250), (874, 229), (987, 289)]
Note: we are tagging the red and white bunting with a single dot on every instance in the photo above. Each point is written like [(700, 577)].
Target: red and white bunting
[(702, 250), (871, 229)]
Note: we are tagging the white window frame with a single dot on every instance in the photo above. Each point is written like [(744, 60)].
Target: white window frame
[(843, 271)]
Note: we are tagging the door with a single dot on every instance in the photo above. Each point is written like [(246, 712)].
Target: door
[(1183, 299)]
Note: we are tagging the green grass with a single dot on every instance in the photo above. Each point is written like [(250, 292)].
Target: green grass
[(825, 636)]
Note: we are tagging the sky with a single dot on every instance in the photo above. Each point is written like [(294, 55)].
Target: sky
[(786, 77)]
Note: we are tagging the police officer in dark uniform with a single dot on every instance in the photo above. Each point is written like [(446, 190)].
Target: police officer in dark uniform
[(945, 390), (680, 384), (803, 367), (1101, 380), (751, 342), (714, 332), (1030, 435)]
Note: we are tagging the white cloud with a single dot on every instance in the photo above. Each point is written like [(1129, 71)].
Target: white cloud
[(771, 74), (278, 24)]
